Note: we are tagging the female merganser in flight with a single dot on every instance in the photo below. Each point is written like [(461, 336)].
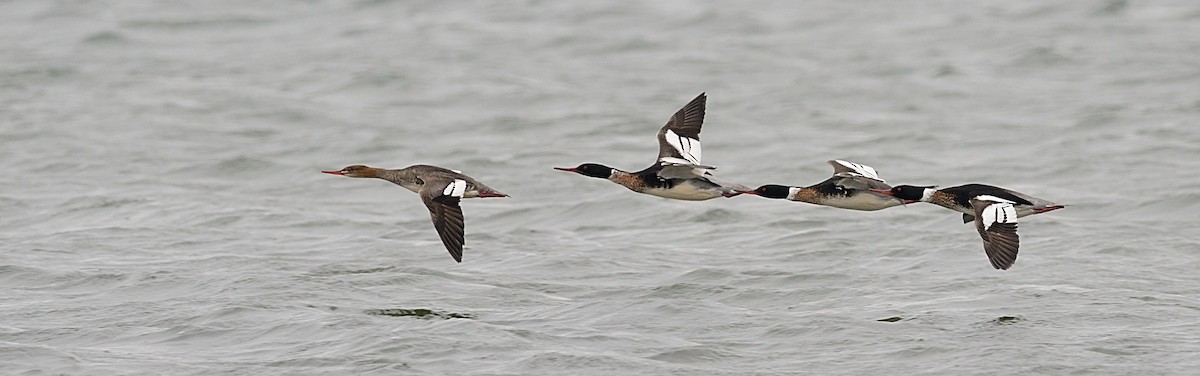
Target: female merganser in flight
[(439, 188), (993, 209), (849, 188), (678, 173)]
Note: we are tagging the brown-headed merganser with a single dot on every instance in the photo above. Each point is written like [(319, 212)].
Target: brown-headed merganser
[(993, 209), (849, 188), (678, 173), (439, 188)]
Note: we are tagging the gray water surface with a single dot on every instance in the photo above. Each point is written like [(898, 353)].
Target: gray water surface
[(161, 209)]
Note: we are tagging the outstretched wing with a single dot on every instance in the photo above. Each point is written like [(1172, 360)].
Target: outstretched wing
[(857, 176), (841, 167), (996, 220), (442, 196), (679, 140)]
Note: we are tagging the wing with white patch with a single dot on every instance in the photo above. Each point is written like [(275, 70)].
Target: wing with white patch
[(446, 214), (672, 161), (856, 176), (844, 168), (681, 171), (996, 221), (680, 137), (681, 147), (455, 188)]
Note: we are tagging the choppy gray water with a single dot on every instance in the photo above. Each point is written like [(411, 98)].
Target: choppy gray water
[(161, 210)]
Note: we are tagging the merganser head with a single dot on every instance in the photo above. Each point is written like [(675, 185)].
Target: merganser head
[(589, 169), (356, 171), (770, 191), (909, 192)]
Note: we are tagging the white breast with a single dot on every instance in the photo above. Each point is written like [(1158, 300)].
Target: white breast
[(687, 191), (862, 201)]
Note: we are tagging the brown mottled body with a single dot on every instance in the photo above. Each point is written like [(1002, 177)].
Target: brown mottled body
[(948, 201), (633, 182), (809, 195)]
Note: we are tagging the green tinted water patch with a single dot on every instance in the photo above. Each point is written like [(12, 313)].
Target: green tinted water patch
[(418, 313)]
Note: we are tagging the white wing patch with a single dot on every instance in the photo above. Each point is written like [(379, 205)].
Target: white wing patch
[(672, 161), (455, 188), (993, 199), (689, 148), (861, 169), (1001, 211)]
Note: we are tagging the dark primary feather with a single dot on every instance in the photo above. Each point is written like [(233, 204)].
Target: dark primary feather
[(447, 217), (685, 123), (1000, 241)]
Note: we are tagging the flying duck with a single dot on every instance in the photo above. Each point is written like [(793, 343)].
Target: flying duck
[(993, 209), (440, 189), (678, 173), (849, 188)]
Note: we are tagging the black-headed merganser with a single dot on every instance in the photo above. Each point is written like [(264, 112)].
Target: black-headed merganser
[(849, 188), (993, 209), (678, 173), (440, 189), (959, 198)]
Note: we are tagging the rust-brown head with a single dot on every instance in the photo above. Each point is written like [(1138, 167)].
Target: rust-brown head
[(356, 171)]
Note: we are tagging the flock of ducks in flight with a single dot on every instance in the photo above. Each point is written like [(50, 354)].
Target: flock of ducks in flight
[(678, 174)]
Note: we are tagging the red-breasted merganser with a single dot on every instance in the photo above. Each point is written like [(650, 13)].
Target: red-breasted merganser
[(678, 173), (849, 188), (993, 209), (440, 189)]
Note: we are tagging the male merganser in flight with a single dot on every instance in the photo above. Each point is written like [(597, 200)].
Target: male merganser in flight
[(439, 188), (993, 209), (678, 173), (849, 188)]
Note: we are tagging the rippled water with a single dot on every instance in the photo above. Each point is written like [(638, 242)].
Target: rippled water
[(162, 213)]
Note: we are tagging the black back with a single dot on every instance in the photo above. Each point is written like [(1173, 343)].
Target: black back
[(653, 180), (829, 187), (964, 193)]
